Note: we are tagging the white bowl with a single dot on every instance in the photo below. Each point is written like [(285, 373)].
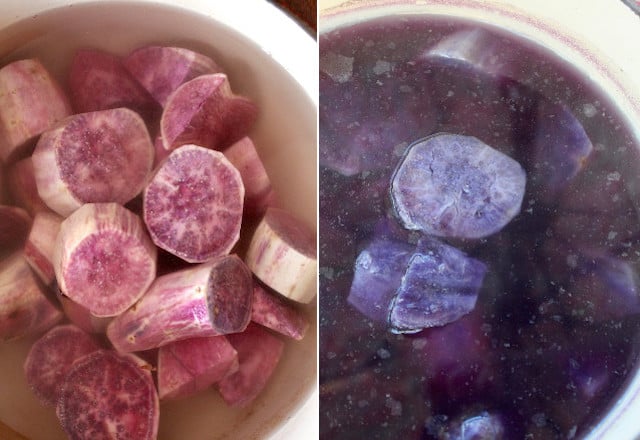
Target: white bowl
[(269, 58), (599, 37)]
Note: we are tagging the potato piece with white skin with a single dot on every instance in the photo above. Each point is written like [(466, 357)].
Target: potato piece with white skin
[(104, 258), (40, 245), (31, 101), (282, 254), (98, 157)]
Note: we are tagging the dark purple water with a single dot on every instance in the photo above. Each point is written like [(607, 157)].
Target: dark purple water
[(554, 332)]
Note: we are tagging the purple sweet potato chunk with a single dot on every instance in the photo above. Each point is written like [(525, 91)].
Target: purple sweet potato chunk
[(24, 308), (192, 365), (21, 182), (439, 286), (209, 299), (483, 426), (161, 69), (40, 244), (456, 186), (14, 227), (109, 395), (52, 356), (80, 316), (273, 311), (31, 101), (193, 204), (98, 81), (97, 157), (205, 112), (258, 355)]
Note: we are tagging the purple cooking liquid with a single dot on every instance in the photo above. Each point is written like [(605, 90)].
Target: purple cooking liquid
[(554, 331)]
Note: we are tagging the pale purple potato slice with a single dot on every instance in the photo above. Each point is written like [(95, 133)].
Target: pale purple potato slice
[(456, 186), (282, 254), (81, 316), (258, 354), (97, 157), (14, 227), (560, 149), (209, 299), (40, 245), (439, 286), (52, 356), (192, 365), (483, 426), (162, 69), (204, 111), (274, 312), (21, 182), (378, 273), (24, 307), (104, 259), (107, 395), (258, 193), (31, 101), (99, 81), (193, 204)]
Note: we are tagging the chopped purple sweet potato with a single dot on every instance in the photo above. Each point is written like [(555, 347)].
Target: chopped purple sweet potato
[(104, 258), (208, 299), (52, 356), (98, 157), (98, 80), (192, 205), (258, 354), (40, 244), (14, 227), (24, 307), (81, 317), (191, 365), (21, 182), (205, 112), (274, 312), (31, 101), (109, 395), (162, 69), (457, 186)]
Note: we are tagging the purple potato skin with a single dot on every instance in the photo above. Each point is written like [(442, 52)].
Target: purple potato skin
[(456, 186), (440, 285)]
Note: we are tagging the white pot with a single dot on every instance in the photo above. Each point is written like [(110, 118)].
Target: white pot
[(269, 58)]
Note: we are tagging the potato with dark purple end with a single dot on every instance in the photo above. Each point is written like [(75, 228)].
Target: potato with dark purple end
[(108, 395), (273, 311), (51, 357), (97, 157), (440, 285), (193, 204), (456, 186)]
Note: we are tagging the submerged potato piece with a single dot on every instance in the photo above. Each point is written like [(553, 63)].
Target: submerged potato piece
[(30, 102), (52, 356), (24, 308), (109, 395), (205, 112), (103, 258), (97, 157), (40, 245), (282, 254), (193, 204), (456, 186), (162, 69), (209, 299)]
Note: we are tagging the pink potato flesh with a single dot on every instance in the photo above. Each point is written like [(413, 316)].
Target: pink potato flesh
[(209, 299), (24, 308), (14, 227), (104, 259), (40, 244), (258, 353), (98, 81), (21, 182), (205, 112), (192, 365), (106, 395), (97, 157), (161, 69), (258, 193), (193, 204), (51, 357), (30, 102), (275, 312)]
